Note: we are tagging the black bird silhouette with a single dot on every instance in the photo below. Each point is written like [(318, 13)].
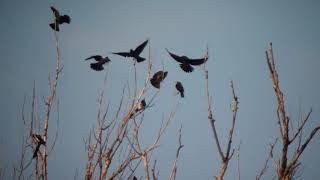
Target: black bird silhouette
[(98, 66), (37, 139), (180, 88), (58, 19), (185, 62), (157, 78), (141, 105), (134, 53), (134, 178)]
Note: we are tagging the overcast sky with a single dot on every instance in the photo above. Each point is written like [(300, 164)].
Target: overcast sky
[(237, 34)]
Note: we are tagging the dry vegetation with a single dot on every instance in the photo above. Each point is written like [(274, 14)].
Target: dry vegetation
[(114, 148)]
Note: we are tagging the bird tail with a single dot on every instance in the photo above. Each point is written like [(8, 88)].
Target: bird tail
[(182, 94), (36, 150), (186, 68), (140, 59), (96, 66), (54, 26)]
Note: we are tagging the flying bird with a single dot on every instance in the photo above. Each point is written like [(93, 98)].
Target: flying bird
[(180, 89), (135, 54), (59, 19), (98, 66), (187, 63), (157, 78), (37, 139)]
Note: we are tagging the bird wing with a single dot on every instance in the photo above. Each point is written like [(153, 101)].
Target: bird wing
[(186, 60), (143, 102), (179, 87), (140, 48), (55, 12), (65, 19), (95, 57), (186, 67), (180, 59), (196, 62), (124, 54), (155, 83), (54, 26), (158, 75)]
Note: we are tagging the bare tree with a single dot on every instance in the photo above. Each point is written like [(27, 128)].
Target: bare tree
[(286, 166), (34, 124), (228, 153), (114, 148)]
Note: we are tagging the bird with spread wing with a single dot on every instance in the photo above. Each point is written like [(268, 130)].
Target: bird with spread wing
[(187, 63), (98, 66), (135, 54), (59, 19)]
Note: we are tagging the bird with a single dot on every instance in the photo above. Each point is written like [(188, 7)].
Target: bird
[(98, 66), (134, 178), (187, 63), (135, 54), (141, 105), (180, 88), (58, 19), (157, 78), (37, 139)]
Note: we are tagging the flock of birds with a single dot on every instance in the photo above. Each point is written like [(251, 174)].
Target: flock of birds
[(185, 63)]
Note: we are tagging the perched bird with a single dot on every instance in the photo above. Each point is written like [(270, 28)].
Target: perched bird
[(134, 53), (37, 139), (157, 78), (185, 62), (98, 66), (141, 105), (58, 19), (180, 88)]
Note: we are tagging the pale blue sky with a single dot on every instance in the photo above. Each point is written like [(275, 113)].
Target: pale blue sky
[(237, 34)]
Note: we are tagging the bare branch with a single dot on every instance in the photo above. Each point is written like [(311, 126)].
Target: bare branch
[(210, 116), (238, 161), (301, 126), (174, 166), (265, 167)]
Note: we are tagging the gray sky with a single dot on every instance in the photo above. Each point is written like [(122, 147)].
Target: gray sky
[(237, 34)]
